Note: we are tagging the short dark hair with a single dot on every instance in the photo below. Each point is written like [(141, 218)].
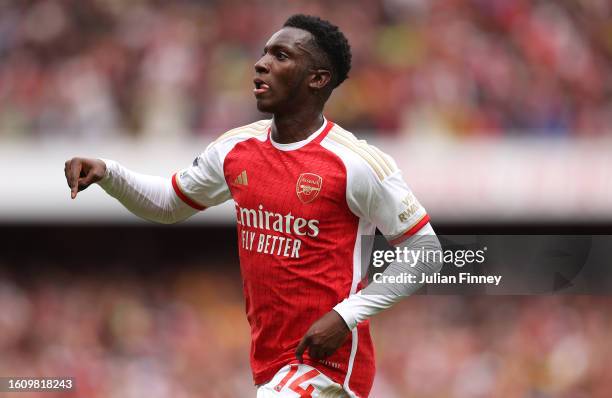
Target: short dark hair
[(328, 38)]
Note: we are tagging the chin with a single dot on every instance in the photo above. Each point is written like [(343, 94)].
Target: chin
[(264, 107)]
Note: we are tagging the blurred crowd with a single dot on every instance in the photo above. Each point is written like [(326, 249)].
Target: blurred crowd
[(94, 69), (185, 335)]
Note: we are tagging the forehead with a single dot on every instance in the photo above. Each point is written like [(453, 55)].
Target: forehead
[(292, 38)]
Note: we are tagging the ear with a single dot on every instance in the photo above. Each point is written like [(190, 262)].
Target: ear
[(320, 78)]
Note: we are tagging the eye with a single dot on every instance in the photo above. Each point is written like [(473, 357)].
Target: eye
[(281, 56)]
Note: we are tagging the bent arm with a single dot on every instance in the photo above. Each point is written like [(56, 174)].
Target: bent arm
[(378, 297), (148, 197)]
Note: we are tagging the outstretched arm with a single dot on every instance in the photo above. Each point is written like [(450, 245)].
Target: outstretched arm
[(149, 197)]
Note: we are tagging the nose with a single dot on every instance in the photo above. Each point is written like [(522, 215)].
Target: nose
[(261, 66)]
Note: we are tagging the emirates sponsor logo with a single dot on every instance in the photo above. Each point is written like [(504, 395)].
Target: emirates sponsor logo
[(268, 232), (308, 187), (271, 221)]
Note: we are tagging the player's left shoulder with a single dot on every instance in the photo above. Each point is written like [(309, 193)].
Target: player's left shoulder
[(359, 156)]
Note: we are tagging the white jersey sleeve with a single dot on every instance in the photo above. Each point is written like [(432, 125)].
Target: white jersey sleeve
[(203, 184), (376, 190), (149, 197), (389, 204)]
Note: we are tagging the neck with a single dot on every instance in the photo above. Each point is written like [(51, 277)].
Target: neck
[(296, 126)]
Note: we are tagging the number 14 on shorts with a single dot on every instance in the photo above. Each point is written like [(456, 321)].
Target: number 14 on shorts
[(300, 381)]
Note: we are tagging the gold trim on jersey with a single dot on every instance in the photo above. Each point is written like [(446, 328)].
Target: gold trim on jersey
[(372, 155), (253, 130), (371, 149), (385, 158)]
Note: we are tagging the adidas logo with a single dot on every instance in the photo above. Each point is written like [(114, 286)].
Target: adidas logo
[(241, 179)]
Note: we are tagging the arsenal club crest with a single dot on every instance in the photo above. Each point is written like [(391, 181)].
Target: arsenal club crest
[(308, 187)]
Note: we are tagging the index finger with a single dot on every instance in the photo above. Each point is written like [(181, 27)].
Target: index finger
[(73, 177), (299, 351)]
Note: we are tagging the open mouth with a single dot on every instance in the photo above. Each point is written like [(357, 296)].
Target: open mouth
[(260, 86)]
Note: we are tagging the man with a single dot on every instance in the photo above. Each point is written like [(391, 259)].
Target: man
[(305, 191)]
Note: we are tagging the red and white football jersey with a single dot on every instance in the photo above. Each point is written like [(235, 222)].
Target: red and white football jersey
[(301, 209)]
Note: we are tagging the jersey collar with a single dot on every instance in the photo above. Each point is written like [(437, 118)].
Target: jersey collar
[(316, 136)]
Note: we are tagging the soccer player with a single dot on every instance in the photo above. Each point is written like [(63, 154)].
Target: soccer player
[(305, 191)]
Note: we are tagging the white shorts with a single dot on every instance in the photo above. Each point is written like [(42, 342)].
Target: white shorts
[(300, 381)]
